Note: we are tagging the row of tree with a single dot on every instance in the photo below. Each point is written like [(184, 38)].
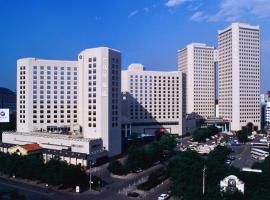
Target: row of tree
[(201, 134), (144, 158), (54, 172), (186, 174)]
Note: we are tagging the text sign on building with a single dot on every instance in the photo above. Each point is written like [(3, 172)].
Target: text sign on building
[(4, 115)]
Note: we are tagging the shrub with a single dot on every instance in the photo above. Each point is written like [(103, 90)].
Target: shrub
[(154, 179), (115, 167)]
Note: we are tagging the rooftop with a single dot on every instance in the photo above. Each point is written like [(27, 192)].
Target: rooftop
[(31, 147)]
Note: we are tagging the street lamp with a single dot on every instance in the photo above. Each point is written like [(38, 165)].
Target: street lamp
[(204, 169), (90, 174)]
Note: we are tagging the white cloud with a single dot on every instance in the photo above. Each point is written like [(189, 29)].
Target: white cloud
[(232, 10), (133, 13), (174, 3), (198, 16)]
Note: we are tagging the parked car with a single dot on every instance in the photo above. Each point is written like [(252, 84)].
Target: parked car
[(231, 157), (228, 162), (164, 197), (138, 170)]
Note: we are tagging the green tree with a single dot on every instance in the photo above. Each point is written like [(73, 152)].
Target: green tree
[(117, 168), (242, 136), (201, 134), (185, 170), (168, 142)]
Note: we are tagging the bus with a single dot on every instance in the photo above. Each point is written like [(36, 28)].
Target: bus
[(264, 145), (258, 154)]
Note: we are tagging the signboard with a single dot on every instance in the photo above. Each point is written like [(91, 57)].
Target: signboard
[(4, 115)]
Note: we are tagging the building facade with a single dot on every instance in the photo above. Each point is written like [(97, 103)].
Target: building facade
[(267, 114), (80, 99), (196, 62), (152, 100), (100, 96), (47, 95), (239, 75)]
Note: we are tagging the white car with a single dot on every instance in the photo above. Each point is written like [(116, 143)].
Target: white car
[(163, 197), (263, 140)]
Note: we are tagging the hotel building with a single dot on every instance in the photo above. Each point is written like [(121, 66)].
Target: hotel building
[(100, 96), (78, 99), (47, 95), (239, 75), (152, 100), (196, 62)]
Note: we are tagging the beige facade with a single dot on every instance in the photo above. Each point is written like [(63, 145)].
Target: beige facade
[(79, 98), (152, 100), (239, 75), (46, 95), (100, 96), (197, 63)]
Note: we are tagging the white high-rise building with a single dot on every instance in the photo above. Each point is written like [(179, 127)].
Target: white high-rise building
[(47, 92), (100, 96), (197, 63), (152, 100), (267, 114), (81, 99), (239, 75)]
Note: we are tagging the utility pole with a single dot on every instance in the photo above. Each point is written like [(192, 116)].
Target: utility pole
[(90, 175), (204, 169), (90, 181)]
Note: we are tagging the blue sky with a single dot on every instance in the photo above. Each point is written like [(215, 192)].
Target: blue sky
[(145, 31)]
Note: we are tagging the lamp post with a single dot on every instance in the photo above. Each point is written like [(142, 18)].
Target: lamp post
[(204, 169), (90, 174)]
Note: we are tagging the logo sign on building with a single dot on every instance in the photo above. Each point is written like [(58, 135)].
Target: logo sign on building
[(4, 115)]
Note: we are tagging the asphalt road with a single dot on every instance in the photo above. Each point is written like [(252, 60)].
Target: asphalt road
[(109, 192), (242, 156), (160, 189), (31, 192)]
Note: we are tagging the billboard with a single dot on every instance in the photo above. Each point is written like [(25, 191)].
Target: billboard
[(4, 115)]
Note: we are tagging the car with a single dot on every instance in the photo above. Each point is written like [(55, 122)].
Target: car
[(231, 157), (263, 140), (138, 170), (228, 162), (163, 197)]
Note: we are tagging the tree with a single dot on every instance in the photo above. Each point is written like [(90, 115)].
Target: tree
[(54, 172), (201, 134), (117, 168), (185, 170), (242, 136), (232, 196), (154, 152), (168, 142)]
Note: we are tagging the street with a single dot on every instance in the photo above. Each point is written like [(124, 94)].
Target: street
[(31, 192), (109, 192)]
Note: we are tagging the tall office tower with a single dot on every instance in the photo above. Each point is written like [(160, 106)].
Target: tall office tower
[(239, 75), (100, 96), (267, 114), (152, 100), (46, 95), (196, 62)]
